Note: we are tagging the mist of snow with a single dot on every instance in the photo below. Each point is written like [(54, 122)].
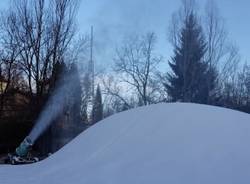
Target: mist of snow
[(54, 106)]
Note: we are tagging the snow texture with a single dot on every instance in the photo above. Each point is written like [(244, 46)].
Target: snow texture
[(164, 143)]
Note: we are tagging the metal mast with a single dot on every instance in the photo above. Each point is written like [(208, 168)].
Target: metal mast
[(91, 71)]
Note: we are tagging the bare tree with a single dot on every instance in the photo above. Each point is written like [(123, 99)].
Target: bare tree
[(10, 72), (137, 63), (221, 53), (239, 91), (116, 94), (42, 32), (215, 32)]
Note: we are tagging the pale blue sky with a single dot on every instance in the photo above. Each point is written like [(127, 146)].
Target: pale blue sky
[(113, 19)]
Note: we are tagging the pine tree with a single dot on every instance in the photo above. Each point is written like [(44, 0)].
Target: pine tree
[(97, 111), (58, 76), (188, 81), (76, 93), (86, 98)]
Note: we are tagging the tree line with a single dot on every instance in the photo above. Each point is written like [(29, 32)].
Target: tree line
[(205, 66), (40, 48)]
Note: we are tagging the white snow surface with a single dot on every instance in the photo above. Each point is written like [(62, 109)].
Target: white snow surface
[(164, 143)]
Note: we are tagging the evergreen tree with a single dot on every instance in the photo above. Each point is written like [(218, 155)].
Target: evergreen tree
[(75, 93), (58, 75), (189, 81), (84, 114), (86, 98), (97, 111)]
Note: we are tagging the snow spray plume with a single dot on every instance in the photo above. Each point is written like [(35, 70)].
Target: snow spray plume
[(54, 107)]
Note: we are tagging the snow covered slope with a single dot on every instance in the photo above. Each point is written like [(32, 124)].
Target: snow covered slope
[(159, 144)]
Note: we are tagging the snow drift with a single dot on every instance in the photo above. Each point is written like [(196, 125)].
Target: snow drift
[(164, 143)]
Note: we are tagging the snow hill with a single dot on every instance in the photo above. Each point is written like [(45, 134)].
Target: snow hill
[(159, 144)]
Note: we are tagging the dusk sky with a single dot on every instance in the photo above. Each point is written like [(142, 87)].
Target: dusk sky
[(114, 19)]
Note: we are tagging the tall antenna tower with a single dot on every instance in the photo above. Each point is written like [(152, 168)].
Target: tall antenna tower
[(92, 66)]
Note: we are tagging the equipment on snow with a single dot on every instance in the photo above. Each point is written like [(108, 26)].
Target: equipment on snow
[(22, 154)]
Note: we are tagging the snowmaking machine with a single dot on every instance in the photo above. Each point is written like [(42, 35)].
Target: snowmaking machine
[(22, 153)]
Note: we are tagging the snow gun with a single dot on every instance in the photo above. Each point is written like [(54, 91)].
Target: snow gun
[(24, 147), (22, 153)]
